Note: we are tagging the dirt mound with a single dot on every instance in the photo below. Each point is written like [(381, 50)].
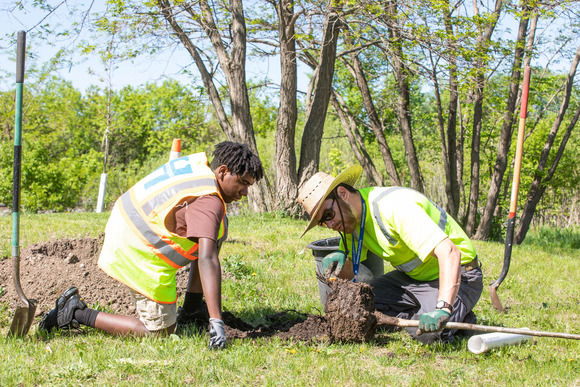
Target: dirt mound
[(48, 269)]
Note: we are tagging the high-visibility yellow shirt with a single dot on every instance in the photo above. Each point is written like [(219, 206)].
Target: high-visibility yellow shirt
[(403, 227)]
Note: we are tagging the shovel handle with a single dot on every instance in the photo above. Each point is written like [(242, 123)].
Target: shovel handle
[(20, 54), (383, 319), (20, 50)]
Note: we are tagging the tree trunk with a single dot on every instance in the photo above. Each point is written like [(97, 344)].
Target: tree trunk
[(355, 140), (207, 79), (483, 41), (234, 69), (475, 149), (314, 126), (463, 122), (286, 177), (403, 112), (440, 120), (451, 183), (506, 132), (357, 72), (537, 189)]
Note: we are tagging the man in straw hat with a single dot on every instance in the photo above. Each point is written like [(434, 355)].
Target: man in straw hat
[(438, 276)]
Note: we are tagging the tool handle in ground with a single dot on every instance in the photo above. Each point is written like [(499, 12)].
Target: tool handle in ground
[(24, 315), (383, 319)]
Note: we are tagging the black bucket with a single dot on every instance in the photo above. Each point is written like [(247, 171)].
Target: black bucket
[(323, 247)]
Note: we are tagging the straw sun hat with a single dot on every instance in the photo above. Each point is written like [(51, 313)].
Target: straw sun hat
[(319, 186)]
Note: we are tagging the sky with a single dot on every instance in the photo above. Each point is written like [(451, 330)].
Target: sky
[(90, 70), (142, 70)]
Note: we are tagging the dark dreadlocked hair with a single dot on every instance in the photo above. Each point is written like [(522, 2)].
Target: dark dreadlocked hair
[(238, 158)]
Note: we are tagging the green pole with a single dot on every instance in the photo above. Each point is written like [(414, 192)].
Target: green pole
[(21, 44)]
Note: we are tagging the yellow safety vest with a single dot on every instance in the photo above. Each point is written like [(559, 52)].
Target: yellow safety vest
[(139, 250)]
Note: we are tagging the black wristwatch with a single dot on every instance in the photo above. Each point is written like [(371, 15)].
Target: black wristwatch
[(444, 305)]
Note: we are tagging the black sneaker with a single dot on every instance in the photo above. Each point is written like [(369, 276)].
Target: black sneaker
[(198, 317), (62, 316)]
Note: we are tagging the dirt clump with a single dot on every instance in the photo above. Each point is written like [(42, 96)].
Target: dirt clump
[(48, 269), (349, 312)]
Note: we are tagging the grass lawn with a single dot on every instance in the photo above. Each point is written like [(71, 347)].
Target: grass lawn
[(269, 269)]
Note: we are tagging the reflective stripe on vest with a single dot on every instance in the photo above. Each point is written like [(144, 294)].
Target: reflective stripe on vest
[(162, 197), (377, 214), (415, 262), (146, 216), (442, 217), (164, 249)]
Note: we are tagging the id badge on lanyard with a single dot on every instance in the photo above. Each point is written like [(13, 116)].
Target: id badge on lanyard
[(361, 234)]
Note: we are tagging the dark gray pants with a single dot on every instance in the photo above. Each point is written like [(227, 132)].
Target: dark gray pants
[(398, 295)]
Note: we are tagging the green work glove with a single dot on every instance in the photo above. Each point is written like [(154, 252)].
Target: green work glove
[(433, 321), (332, 264)]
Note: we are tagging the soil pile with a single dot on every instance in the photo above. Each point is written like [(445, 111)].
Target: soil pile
[(349, 312), (48, 269)]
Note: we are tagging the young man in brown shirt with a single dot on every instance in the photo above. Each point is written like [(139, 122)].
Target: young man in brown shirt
[(173, 217)]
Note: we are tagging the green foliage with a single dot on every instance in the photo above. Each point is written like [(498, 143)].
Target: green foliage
[(63, 132), (263, 112)]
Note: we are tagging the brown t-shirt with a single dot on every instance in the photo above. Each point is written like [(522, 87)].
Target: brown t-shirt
[(200, 218)]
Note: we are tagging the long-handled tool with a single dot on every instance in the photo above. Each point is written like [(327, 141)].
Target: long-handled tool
[(24, 315), (509, 238), (351, 315), (383, 319)]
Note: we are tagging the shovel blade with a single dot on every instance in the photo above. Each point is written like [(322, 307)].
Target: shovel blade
[(23, 318), (495, 298)]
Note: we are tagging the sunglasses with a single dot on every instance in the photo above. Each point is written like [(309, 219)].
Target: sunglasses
[(328, 214)]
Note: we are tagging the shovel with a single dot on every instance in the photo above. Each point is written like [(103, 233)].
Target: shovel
[(24, 315), (509, 238)]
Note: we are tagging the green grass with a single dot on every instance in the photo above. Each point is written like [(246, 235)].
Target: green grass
[(551, 237), (269, 269)]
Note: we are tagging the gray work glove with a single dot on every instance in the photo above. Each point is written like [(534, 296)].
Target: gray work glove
[(332, 264), (217, 334)]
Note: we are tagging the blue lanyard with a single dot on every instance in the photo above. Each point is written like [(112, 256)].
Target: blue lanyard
[(361, 235)]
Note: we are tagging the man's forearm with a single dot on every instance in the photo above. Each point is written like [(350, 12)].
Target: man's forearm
[(449, 258), (210, 273), (211, 276)]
